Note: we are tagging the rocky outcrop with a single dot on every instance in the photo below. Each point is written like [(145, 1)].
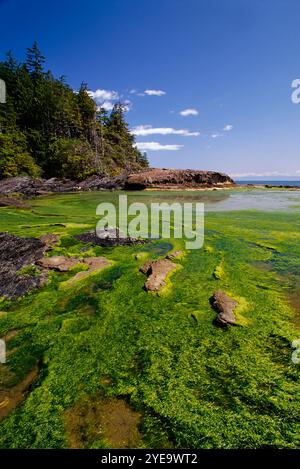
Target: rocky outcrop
[(60, 263), (177, 178), (96, 183), (50, 240), (31, 187), (95, 264), (65, 264), (23, 266), (225, 305), (152, 178), (16, 254), (108, 238), (157, 272)]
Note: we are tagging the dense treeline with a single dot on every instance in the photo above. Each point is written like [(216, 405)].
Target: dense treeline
[(47, 129)]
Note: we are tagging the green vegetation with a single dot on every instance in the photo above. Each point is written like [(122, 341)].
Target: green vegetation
[(193, 384), (47, 128), (31, 270)]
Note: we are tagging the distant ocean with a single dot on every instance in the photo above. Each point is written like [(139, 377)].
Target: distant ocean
[(271, 183)]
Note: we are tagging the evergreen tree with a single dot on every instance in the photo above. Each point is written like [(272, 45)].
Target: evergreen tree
[(35, 60), (46, 127)]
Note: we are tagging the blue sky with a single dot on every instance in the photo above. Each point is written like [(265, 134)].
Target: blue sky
[(231, 62)]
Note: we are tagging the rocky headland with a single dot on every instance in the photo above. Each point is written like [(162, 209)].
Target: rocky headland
[(177, 179), (167, 179)]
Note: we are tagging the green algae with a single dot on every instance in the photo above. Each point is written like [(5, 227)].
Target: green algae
[(195, 385)]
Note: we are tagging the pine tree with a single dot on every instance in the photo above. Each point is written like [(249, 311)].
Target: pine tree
[(35, 61), (56, 130)]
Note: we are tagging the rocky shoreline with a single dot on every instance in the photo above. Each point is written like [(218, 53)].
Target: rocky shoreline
[(150, 179)]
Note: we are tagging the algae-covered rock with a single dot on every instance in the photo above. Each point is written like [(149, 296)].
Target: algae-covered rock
[(157, 272), (95, 264), (49, 239), (13, 202), (108, 238), (219, 272), (175, 255), (225, 305), (60, 263)]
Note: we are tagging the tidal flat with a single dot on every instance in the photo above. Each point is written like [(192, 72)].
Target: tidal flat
[(101, 363)]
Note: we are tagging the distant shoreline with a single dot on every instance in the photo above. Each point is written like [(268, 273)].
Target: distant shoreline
[(29, 187), (281, 183)]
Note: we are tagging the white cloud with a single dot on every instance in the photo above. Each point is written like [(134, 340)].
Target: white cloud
[(217, 134), (143, 130), (155, 146), (107, 98), (127, 105), (107, 105), (155, 92), (265, 174), (104, 95), (189, 112)]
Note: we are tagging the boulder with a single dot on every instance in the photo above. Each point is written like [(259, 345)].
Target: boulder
[(107, 238), (65, 264), (225, 305), (157, 272), (15, 254), (50, 240), (60, 263)]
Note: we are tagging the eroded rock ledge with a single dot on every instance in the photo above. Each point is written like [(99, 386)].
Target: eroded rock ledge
[(152, 178), (157, 272), (32, 187), (23, 266), (177, 178), (108, 238), (15, 254)]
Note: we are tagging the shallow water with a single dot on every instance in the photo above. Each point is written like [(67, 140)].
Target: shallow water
[(215, 201), (271, 183), (257, 200)]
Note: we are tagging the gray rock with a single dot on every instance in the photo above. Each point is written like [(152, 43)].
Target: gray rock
[(15, 254), (157, 272), (225, 305), (108, 238)]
